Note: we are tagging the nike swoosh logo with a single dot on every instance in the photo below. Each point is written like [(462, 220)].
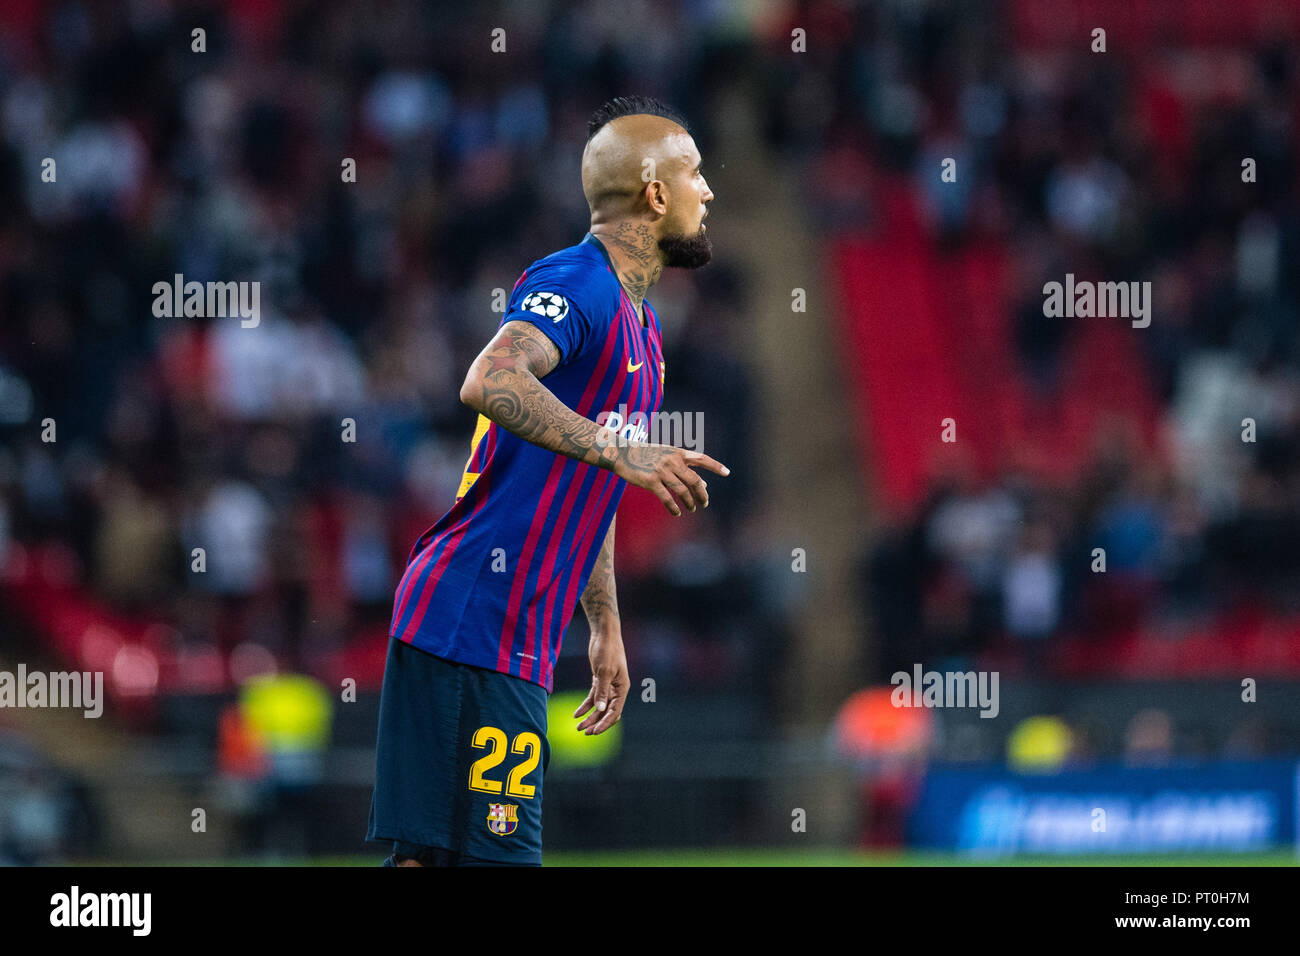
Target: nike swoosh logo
[(633, 368)]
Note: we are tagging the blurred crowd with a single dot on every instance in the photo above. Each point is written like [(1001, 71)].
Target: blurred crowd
[(306, 454), (227, 164), (1127, 165)]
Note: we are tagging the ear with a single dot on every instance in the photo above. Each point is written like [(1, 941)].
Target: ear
[(656, 196)]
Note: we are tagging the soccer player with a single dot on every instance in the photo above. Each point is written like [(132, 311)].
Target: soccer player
[(489, 589)]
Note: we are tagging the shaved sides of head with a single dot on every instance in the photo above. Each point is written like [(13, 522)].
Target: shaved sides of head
[(621, 136)]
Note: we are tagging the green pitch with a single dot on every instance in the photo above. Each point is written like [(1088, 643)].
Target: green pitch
[(734, 856), (747, 857), (737, 857)]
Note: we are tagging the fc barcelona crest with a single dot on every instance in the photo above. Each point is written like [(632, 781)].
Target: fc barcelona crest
[(503, 818)]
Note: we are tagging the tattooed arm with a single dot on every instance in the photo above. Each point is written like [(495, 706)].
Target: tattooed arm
[(600, 600), (609, 680), (504, 384)]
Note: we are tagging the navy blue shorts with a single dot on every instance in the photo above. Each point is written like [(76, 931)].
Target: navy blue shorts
[(461, 755)]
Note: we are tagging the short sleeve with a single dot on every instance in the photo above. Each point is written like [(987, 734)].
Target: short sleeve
[(557, 301)]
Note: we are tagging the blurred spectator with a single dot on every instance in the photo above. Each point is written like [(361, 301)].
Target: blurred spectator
[(1149, 738)]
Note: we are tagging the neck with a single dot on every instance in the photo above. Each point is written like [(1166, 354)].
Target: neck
[(635, 253)]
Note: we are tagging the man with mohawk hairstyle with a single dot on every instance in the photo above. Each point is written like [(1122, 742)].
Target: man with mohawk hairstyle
[(489, 589)]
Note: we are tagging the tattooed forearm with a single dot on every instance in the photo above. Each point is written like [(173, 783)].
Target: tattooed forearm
[(504, 385), (599, 599)]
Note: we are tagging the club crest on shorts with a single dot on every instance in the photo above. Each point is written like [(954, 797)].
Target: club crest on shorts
[(503, 818)]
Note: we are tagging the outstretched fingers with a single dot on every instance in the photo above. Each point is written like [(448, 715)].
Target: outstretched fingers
[(697, 459)]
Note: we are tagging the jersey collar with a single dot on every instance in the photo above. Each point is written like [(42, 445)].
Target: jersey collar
[(591, 238)]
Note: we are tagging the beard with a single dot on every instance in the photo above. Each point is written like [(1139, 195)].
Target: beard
[(686, 252)]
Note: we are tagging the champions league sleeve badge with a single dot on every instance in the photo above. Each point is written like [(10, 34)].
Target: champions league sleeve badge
[(550, 304)]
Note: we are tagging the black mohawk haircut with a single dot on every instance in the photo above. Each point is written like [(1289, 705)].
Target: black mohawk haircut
[(631, 106)]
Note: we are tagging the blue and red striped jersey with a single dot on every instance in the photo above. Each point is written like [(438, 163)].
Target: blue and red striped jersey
[(496, 580)]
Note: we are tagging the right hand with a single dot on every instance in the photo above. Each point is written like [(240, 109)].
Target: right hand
[(665, 470)]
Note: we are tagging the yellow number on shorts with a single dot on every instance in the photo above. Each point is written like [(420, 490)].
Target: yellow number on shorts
[(495, 738), (483, 737), (532, 745)]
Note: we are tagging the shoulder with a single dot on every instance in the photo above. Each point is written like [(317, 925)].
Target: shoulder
[(579, 274)]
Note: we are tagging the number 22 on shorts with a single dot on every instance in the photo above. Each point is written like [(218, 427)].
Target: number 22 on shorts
[(494, 739)]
